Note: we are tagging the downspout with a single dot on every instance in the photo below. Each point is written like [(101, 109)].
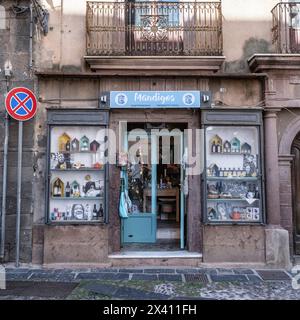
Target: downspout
[(4, 183), (30, 40)]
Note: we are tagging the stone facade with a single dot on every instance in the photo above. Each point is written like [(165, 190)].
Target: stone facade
[(249, 75)]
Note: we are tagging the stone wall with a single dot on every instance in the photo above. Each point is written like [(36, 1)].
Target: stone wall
[(14, 39)]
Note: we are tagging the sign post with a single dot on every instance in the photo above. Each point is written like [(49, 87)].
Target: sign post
[(21, 105)]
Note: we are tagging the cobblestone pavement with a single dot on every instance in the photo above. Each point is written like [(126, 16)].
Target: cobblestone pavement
[(151, 283)]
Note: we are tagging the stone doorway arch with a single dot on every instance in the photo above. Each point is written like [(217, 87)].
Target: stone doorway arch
[(289, 169)]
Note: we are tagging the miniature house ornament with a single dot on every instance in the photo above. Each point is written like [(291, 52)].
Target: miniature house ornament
[(94, 146), (216, 144), (227, 147), (64, 142), (246, 148), (75, 189), (235, 145), (84, 144), (75, 145), (57, 188)]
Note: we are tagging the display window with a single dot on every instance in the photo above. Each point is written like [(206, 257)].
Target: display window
[(77, 174), (233, 185)]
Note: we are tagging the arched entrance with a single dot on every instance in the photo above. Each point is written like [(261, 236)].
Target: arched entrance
[(295, 150)]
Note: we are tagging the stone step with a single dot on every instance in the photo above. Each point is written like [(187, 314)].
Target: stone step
[(155, 258)]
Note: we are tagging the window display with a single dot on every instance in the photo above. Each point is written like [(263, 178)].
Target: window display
[(233, 175), (76, 174)]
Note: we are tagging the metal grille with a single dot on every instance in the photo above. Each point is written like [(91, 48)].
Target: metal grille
[(154, 28), (273, 275), (196, 277), (286, 27)]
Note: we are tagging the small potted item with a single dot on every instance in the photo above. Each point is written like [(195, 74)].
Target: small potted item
[(236, 215)]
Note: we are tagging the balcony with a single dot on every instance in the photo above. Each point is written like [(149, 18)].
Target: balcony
[(154, 28), (286, 27)]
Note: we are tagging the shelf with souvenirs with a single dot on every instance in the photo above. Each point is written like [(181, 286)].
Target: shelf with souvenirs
[(76, 187), (233, 174)]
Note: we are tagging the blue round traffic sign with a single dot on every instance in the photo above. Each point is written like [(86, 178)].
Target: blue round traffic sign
[(21, 104)]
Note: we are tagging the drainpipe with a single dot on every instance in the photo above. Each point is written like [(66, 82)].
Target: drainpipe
[(4, 186), (30, 40)]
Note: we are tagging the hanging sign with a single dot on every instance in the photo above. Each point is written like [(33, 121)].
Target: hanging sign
[(158, 99), (21, 104)]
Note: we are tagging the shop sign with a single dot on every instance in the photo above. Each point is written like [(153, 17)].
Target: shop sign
[(158, 99)]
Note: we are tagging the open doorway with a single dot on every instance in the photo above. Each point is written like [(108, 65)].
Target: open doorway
[(153, 179)]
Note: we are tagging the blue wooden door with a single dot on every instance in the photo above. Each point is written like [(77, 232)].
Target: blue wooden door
[(140, 227)]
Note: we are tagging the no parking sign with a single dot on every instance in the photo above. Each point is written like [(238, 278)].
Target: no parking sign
[(21, 104)]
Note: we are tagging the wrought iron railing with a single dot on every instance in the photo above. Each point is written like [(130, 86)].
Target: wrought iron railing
[(154, 28), (286, 27)]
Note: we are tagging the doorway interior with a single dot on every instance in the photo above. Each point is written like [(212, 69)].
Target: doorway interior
[(153, 179)]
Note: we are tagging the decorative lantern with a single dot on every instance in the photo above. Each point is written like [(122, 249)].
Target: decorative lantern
[(75, 189), (58, 189), (64, 143)]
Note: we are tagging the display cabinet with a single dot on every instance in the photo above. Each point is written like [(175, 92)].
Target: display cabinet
[(233, 177), (77, 171)]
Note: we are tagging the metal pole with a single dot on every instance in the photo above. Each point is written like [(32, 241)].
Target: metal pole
[(4, 182), (4, 187), (19, 181)]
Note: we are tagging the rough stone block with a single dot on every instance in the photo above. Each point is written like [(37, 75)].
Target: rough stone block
[(277, 248), (240, 244)]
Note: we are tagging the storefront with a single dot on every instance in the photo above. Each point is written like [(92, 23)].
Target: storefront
[(173, 181)]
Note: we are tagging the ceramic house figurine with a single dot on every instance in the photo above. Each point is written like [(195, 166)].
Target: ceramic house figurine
[(94, 146), (84, 144), (235, 145), (246, 148), (213, 170), (75, 189), (227, 147), (64, 142), (58, 188), (75, 145), (216, 144)]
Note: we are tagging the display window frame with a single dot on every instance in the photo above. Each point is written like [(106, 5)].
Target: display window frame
[(70, 118), (239, 120)]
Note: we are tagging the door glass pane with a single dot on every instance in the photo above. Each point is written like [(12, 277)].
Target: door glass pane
[(139, 172)]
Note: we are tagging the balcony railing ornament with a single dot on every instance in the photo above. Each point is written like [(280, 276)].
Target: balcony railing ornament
[(154, 28)]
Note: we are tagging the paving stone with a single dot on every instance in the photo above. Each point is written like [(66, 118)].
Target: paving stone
[(131, 270), (105, 270), (243, 271), (224, 271), (228, 278), (18, 276), (254, 278), (38, 289), (142, 276), (102, 276), (159, 270), (136, 294), (103, 289), (273, 275), (209, 270), (17, 270), (169, 277), (186, 271)]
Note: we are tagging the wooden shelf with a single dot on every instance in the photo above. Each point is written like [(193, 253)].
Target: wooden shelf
[(232, 178), (77, 198)]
